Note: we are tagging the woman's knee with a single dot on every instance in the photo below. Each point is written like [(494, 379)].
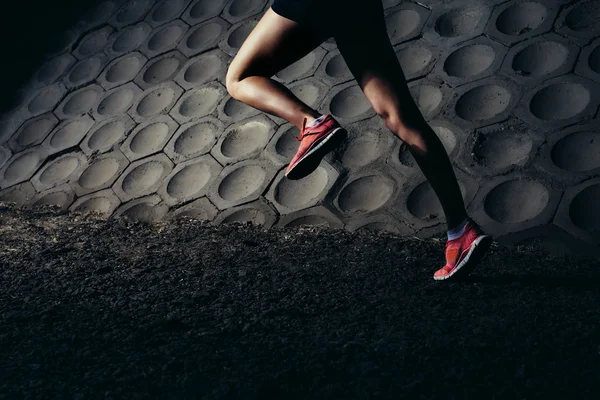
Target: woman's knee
[(232, 80)]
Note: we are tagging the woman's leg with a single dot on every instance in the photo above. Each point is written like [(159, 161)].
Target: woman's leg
[(275, 43)]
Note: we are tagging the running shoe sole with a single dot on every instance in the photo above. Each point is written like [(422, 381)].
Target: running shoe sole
[(311, 160), (478, 249)]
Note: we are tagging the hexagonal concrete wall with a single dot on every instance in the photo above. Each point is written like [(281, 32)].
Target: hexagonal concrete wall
[(132, 118)]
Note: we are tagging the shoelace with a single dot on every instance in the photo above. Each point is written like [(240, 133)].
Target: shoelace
[(303, 134)]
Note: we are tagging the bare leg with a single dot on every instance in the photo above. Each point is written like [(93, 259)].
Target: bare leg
[(275, 43), (372, 60)]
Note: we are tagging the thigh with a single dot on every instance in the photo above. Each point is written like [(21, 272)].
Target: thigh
[(275, 43)]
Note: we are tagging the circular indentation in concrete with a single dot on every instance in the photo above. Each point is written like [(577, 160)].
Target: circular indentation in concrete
[(239, 35), (45, 100), (245, 139), (521, 18), (559, 101), (165, 38), (483, 102), (540, 58), (70, 134), (298, 68), (502, 149), (470, 60), (95, 204), (155, 101), (129, 40), (22, 167), (246, 215), (295, 194), (148, 140), (35, 131), (594, 60), (584, 17), (516, 201), (584, 210), (402, 23), (189, 180), (107, 135), (428, 98), (59, 170), (81, 102), (99, 13), (203, 69), (414, 58), (577, 152), (363, 150), (237, 109), (309, 220), (366, 194), (350, 102), (53, 199), (143, 177), (99, 173), (307, 93), (458, 22), (336, 67), (205, 7), (242, 182), (86, 70), (133, 11), (93, 44), (161, 70), (447, 137), (194, 139), (124, 70), (53, 69), (240, 7), (167, 10), (116, 102), (287, 145), (200, 103), (423, 203)]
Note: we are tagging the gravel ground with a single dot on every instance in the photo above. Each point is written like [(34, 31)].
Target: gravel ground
[(118, 309)]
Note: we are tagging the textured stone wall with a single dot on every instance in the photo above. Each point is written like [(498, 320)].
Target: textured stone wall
[(130, 117)]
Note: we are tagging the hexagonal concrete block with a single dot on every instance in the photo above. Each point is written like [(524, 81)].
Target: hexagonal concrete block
[(19, 194), (5, 155), (244, 140), (68, 134), (515, 202), (238, 10), (160, 69), (516, 20), (21, 166), (85, 71), (93, 42), (61, 197), (116, 102), (232, 110), (107, 135), (560, 102), (194, 139), (589, 61), (143, 177), (79, 103), (430, 95), (579, 21), (540, 58), (233, 39), (303, 68), (149, 137), (148, 209), (203, 37), (417, 58), (104, 202), (165, 11), (317, 216), (155, 101), (456, 22), (201, 210), (52, 70), (348, 104), (310, 91), (63, 42), (485, 102), (190, 180), (98, 15), (122, 70), (33, 132), (131, 12), (471, 61), (369, 141), (59, 171), (11, 122), (379, 223), (203, 10), (127, 40), (259, 212), (333, 69), (241, 183), (294, 195), (204, 68), (405, 22), (164, 38), (101, 173), (46, 99), (199, 102), (283, 146), (578, 211), (571, 155)]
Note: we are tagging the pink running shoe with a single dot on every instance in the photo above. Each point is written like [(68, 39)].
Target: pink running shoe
[(463, 254), (315, 143)]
